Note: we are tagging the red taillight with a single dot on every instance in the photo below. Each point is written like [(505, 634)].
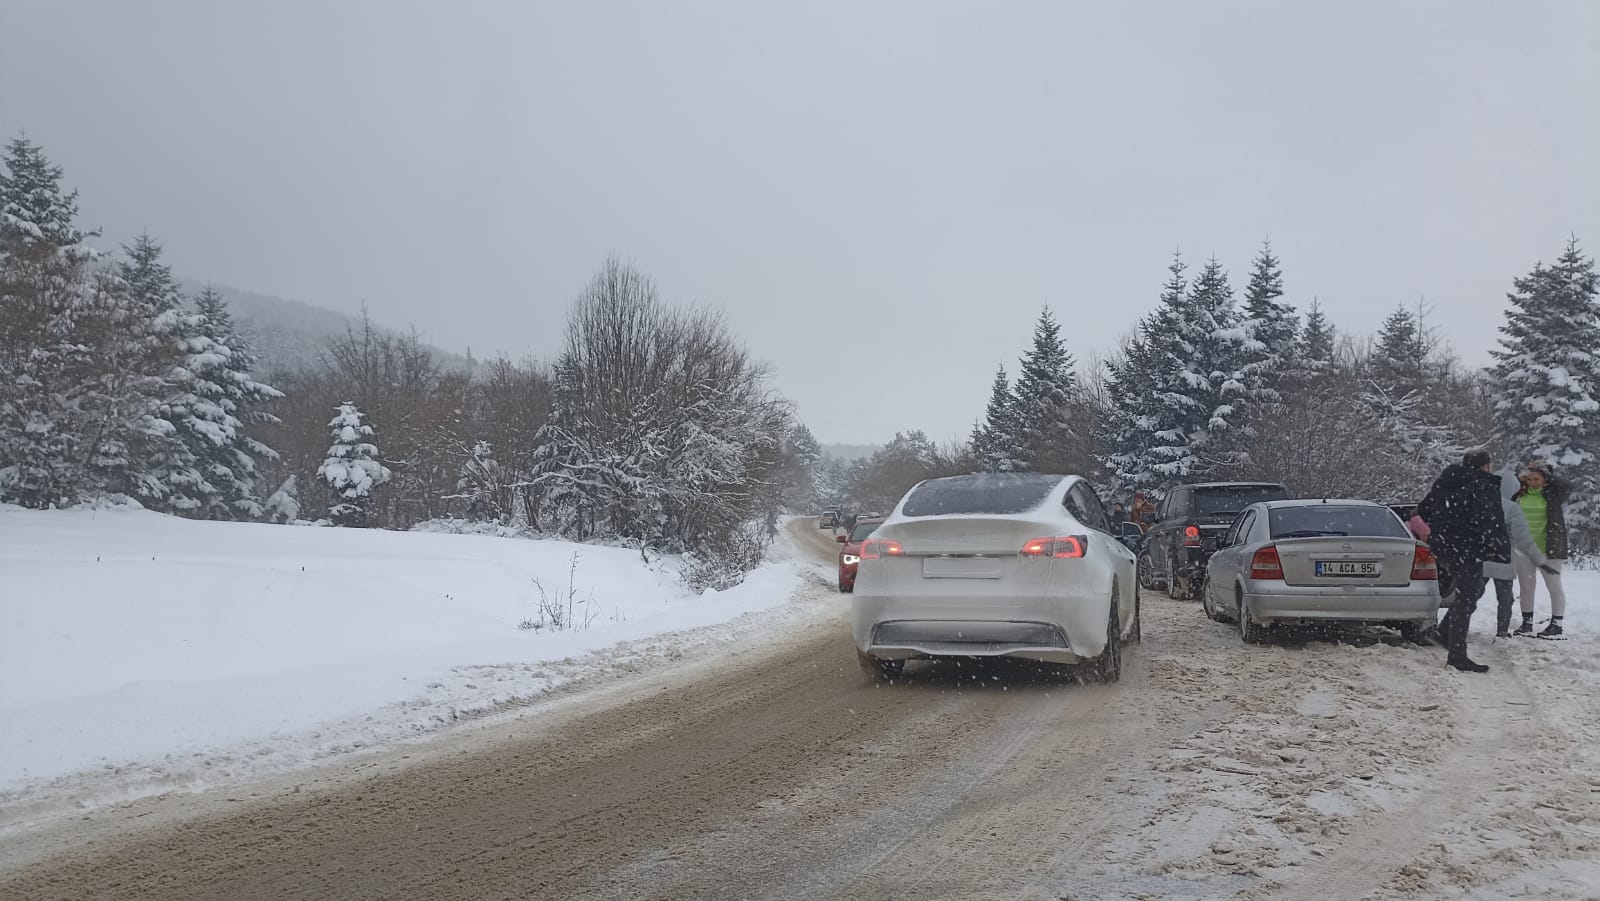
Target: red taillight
[(1266, 565), (1424, 567), (1061, 546), (874, 548), (1191, 536)]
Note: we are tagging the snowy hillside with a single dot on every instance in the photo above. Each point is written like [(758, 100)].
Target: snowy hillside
[(162, 652), (292, 334)]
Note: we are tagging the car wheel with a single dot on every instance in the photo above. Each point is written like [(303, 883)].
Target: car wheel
[(1207, 604), (1137, 635), (1249, 631), (1109, 667), (1416, 631), (880, 670)]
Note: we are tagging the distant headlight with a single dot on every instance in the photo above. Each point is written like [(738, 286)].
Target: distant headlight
[(851, 559)]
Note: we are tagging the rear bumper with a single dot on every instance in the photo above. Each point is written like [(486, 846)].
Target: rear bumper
[(907, 639), (1278, 603), (1067, 629)]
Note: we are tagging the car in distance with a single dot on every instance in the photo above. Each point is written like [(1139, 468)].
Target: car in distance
[(850, 554), (1307, 561), (828, 520), (1018, 565), (1188, 523)]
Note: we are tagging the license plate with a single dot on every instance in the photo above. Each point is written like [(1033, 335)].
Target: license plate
[(1359, 568), (960, 568)]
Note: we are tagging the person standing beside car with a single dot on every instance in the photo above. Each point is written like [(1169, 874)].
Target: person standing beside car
[(1143, 511), (1524, 550), (1467, 529), (1541, 500)]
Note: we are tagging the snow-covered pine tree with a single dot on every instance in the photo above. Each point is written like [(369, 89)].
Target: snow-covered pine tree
[(994, 440), (1397, 395), (1399, 362), (42, 282), (34, 210), (352, 469), (1134, 385), (802, 455), (221, 367), (486, 487), (1043, 400), (1546, 378), (166, 472), (1271, 331), (1316, 340), (1185, 369), (283, 505), (75, 347)]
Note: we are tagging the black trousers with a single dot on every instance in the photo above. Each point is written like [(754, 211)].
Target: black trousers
[(1467, 575)]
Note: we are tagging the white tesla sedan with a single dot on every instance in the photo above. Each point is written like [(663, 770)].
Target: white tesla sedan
[(996, 565)]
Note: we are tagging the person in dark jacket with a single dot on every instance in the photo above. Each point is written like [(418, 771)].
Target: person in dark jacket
[(1468, 528), (1541, 501)]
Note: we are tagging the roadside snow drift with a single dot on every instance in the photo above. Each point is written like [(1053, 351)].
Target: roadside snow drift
[(162, 652)]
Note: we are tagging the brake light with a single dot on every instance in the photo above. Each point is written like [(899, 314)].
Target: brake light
[(1424, 566), (1191, 536), (1265, 564), (875, 548), (1061, 547)]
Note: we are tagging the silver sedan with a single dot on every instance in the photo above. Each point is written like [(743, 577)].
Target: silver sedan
[(1306, 561)]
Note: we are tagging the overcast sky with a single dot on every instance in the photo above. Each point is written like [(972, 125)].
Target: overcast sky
[(881, 195)]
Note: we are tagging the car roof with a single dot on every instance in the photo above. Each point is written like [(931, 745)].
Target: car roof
[(870, 520), (1233, 485), (1321, 501)]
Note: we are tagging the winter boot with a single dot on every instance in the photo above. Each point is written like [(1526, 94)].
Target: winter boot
[(1467, 666), (1553, 631), (1526, 629)]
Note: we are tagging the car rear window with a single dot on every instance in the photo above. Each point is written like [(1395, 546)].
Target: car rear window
[(1331, 519), (993, 492), (1216, 501), (864, 530)]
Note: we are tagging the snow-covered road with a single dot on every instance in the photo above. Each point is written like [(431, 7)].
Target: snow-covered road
[(1305, 769)]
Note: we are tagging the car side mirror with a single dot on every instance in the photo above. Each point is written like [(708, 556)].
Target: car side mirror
[(842, 539)]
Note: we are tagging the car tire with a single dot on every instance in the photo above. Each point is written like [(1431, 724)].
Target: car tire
[(1137, 634), (1249, 631), (1212, 613), (1143, 567), (1416, 631), (879, 670), (1108, 668)]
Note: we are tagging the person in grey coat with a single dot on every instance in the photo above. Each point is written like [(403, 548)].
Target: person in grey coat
[(1521, 543)]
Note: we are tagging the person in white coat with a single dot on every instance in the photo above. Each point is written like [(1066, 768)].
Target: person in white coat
[(1522, 545)]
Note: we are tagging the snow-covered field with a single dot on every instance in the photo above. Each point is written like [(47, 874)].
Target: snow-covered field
[(141, 653)]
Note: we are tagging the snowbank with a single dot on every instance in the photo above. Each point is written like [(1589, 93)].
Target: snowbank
[(161, 652)]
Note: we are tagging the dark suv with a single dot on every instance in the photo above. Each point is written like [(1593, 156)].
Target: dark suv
[(1188, 524)]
